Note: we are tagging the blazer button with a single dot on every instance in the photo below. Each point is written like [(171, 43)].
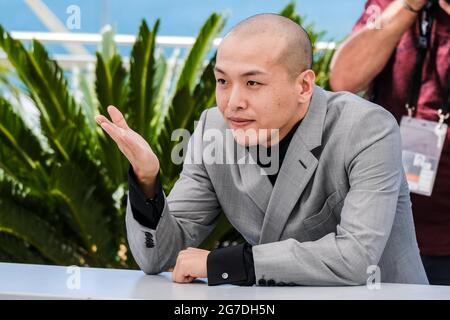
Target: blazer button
[(224, 275), (262, 282)]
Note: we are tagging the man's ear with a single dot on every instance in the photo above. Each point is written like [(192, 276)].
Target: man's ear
[(305, 83)]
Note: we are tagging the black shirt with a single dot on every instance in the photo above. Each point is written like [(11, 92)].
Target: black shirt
[(232, 265)]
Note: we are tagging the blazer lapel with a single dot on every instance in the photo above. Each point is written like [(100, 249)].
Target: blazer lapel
[(257, 185), (297, 169)]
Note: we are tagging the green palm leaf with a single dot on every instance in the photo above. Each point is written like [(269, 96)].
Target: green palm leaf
[(194, 61), (141, 100), (189, 99), (111, 89), (20, 150), (77, 193), (5, 257), (23, 224), (289, 12), (204, 92), (61, 118), (110, 82), (162, 82), (19, 250)]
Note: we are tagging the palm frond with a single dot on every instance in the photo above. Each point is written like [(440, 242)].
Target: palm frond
[(141, 100), (61, 119), (204, 92), (289, 12), (77, 193), (20, 150), (23, 224), (194, 61), (162, 79), (184, 108), (111, 88), (19, 250), (110, 82)]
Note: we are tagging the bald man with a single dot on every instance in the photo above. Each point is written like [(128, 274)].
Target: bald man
[(313, 180)]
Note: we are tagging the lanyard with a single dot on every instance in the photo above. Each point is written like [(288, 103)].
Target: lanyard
[(423, 43)]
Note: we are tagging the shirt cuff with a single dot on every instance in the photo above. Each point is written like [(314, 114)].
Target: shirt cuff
[(145, 211), (231, 265)]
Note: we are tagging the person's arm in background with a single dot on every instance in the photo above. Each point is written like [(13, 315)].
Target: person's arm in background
[(366, 52)]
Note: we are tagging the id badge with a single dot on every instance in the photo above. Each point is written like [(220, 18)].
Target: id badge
[(422, 143)]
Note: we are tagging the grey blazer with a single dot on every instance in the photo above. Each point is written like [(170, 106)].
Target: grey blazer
[(340, 203)]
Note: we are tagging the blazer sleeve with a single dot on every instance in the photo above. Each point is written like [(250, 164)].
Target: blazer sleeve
[(190, 213), (145, 211), (374, 168)]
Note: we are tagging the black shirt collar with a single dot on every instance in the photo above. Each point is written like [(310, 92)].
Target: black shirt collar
[(283, 146)]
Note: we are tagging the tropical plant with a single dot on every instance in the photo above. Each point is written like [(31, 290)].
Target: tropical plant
[(62, 180), (62, 192)]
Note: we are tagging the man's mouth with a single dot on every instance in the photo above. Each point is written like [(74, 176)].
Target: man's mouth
[(240, 122)]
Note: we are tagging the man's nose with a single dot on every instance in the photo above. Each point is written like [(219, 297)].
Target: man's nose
[(237, 99)]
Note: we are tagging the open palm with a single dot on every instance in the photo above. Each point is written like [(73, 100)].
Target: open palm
[(131, 144)]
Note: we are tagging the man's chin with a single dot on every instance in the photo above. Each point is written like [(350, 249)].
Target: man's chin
[(244, 142), (247, 137), (252, 137)]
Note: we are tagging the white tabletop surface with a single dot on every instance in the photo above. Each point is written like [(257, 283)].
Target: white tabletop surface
[(26, 281)]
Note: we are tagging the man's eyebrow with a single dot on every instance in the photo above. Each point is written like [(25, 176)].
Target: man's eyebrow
[(219, 70), (245, 74), (253, 73)]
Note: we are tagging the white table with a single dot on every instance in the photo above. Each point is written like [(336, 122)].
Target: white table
[(26, 281)]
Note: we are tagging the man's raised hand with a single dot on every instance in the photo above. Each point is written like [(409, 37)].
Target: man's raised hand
[(134, 147)]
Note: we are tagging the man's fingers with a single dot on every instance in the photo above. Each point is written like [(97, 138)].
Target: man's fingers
[(111, 129), (100, 119), (117, 117), (182, 279), (179, 273), (124, 138)]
